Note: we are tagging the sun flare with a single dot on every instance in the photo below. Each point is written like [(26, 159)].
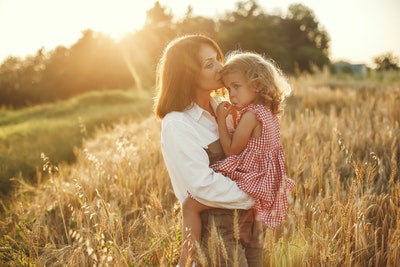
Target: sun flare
[(112, 19), (62, 22)]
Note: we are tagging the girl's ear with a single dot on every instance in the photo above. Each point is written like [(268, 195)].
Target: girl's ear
[(257, 86)]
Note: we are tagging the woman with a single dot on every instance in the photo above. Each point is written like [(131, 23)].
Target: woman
[(187, 74)]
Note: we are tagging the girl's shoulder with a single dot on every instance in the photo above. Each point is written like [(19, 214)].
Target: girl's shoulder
[(257, 108), (261, 112)]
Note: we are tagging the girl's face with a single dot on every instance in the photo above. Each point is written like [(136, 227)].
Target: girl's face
[(209, 78), (241, 92)]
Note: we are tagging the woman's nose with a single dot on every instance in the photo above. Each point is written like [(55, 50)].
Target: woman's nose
[(219, 66)]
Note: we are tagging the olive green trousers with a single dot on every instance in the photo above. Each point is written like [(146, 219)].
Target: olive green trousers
[(231, 238)]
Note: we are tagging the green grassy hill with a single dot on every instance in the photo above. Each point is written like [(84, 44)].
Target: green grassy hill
[(56, 129)]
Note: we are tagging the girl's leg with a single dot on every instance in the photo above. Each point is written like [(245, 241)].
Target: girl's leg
[(191, 229)]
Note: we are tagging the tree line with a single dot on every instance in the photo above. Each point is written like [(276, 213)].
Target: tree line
[(296, 41)]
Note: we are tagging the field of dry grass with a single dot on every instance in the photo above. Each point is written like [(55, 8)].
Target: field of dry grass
[(116, 207)]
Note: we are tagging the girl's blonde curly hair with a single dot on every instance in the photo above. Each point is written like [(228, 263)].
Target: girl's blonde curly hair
[(263, 74)]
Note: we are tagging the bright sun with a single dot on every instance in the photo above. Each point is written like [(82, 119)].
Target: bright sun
[(111, 18), (31, 25)]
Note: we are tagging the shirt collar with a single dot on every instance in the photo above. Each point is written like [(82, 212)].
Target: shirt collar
[(195, 111)]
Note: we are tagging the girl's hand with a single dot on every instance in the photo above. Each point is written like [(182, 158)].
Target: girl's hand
[(224, 109)]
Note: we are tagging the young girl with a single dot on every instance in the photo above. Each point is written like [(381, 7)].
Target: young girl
[(255, 158)]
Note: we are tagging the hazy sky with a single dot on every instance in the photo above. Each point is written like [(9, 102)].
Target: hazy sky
[(359, 29)]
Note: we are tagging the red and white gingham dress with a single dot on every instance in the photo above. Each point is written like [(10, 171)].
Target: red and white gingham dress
[(259, 169)]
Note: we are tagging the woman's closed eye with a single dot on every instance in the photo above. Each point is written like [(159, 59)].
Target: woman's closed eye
[(209, 65)]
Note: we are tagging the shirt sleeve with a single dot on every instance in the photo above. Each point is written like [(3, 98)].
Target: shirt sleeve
[(188, 166)]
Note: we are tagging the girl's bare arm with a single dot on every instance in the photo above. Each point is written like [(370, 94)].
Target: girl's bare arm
[(237, 142)]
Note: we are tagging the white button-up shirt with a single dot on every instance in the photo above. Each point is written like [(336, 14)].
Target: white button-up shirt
[(184, 137)]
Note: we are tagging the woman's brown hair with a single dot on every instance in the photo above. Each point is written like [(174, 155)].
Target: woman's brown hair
[(177, 73)]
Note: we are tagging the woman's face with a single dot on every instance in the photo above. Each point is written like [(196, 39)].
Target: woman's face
[(209, 77)]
